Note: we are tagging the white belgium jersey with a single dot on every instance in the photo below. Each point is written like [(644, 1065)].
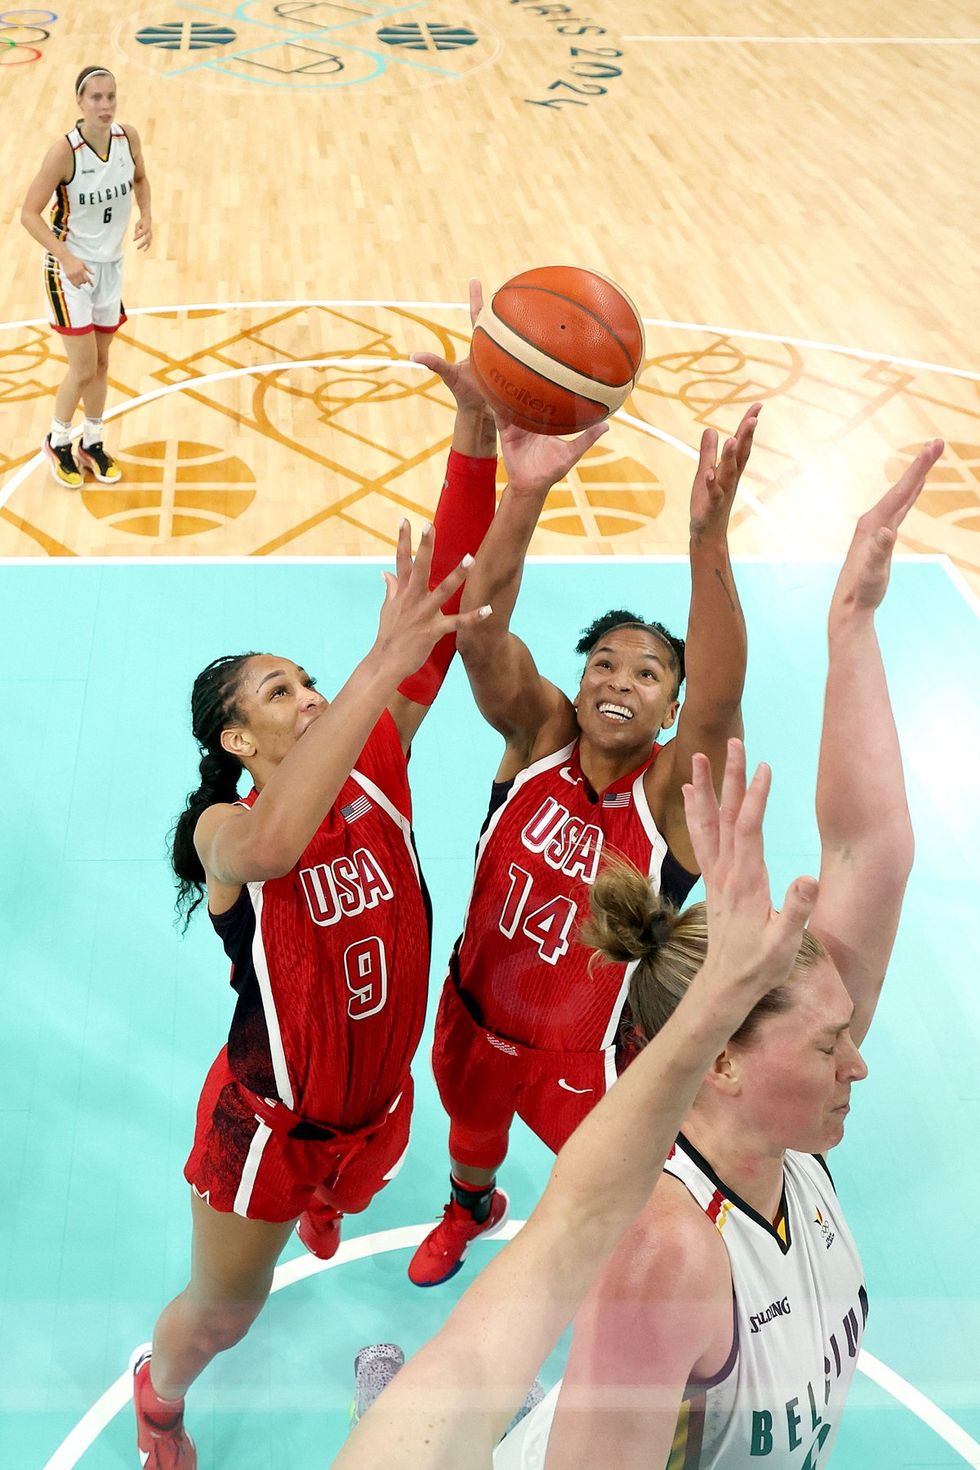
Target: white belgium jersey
[(92, 210), (800, 1310)]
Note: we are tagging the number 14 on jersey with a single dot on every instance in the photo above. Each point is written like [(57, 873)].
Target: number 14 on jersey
[(548, 927)]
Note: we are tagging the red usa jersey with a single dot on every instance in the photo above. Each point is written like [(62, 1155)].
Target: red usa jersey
[(519, 962), (331, 961)]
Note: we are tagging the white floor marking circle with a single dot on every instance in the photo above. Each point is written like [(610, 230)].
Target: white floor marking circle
[(119, 1393)]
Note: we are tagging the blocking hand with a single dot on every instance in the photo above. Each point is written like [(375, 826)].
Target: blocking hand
[(863, 580), (751, 946)]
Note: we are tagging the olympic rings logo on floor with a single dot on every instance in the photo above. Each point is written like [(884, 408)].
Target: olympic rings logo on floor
[(21, 33)]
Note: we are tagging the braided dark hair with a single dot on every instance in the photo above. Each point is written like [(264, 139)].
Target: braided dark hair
[(213, 707), (619, 618)]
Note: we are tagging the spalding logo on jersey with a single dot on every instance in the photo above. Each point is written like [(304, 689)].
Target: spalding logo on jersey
[(345, 887), (568, 844)]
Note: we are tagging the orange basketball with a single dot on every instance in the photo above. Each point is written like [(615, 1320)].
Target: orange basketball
[(557, 349)]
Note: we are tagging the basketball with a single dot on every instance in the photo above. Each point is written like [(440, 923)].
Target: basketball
[(557, 349)]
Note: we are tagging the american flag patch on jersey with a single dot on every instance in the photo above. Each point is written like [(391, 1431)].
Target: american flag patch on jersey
[(357, 808), (616, 798)]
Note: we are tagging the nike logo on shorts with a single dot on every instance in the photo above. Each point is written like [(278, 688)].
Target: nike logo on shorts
[(569, 1088)]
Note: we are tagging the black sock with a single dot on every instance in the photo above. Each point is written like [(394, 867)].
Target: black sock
[(475, 1201)]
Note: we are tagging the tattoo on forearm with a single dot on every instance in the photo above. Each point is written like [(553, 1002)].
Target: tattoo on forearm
[(719, 573)]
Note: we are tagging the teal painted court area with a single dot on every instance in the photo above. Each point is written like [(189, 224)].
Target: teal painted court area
[(110, 1019)]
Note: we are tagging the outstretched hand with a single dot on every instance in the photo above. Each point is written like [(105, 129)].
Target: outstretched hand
[(412, 621), (716, 480), (863, 580), (535, 462), (459, 377), (751, 946)]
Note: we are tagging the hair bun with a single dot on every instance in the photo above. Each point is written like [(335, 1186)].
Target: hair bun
[(628, 920), (658, 927)]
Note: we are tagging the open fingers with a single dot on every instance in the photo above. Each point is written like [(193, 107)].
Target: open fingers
[(701, 813), (708, 452), (403, 552), (728, 467), (732, 797), (744, 435), (451, 582), (789, 923), (415, 574), (748, 827), (467, 619)]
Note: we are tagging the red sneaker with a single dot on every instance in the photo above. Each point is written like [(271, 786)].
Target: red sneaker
[(443, 1250), (161, 1438), (319, 1230)]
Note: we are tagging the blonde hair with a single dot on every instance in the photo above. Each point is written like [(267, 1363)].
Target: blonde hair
[(630, 923)]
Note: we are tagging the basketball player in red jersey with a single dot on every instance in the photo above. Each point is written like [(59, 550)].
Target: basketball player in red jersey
[(94, 172), (525, 1024), (313, 886)]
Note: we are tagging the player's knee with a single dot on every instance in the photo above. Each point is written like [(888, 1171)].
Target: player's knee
[(477, 1148), (221, 1325), (86, 373)]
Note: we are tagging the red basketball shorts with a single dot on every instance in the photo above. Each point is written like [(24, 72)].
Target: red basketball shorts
[(241, 1165), (484, 1079)]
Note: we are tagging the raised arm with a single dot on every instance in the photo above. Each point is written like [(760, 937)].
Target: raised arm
[(866, 843), (238, 845), (510, 692), (463, 513), (451, 1402), (716, 647)]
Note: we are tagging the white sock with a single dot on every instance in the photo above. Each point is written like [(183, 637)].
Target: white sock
[(91, 432), (60, 433)]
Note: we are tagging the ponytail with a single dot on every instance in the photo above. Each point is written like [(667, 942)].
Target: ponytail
[(630, 924), (628, 921), (213, 707)]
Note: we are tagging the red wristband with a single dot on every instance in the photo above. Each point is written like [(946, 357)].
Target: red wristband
[(463, 514)]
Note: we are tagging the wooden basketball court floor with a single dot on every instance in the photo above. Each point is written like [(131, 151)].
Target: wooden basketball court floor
[(787, 193)]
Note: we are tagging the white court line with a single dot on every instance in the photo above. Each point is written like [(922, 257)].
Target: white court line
[(42, 321), (20, 475), (930, 1414), (762, 511), (650, 321), (961, 584), (765, 515), (119, 1393), (288, 364), (813, 40)]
